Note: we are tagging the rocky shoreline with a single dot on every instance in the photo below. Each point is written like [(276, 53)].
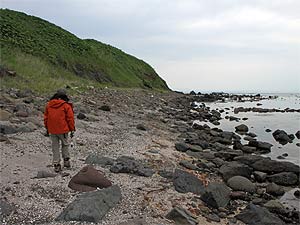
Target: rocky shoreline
[(163, 167)]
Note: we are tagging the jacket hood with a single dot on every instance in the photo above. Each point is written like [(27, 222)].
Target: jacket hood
[(56, 103)]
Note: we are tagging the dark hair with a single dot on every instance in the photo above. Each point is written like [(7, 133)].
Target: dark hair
[(60, 96)]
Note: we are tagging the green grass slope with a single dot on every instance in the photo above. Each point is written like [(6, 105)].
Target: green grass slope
[(46, 56)]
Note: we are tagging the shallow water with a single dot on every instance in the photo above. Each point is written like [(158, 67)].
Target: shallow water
[(259, 122)]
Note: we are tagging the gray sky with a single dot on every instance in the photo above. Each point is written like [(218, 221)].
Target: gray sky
[(202, 45)]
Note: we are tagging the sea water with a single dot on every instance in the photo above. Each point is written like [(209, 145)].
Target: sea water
[(259, 122)]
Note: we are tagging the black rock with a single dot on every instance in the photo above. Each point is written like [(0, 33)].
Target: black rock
[(8, 129), (274, 189), (81, 116), (263, 146), (181, 216), (268, 130), (235, 169), (284, 178), (281, 136), (216, 195), (238, 183), (91, 206), (105, 108), (141, 127), (126, 164), (256, 215), (242, 128), (186, 182), (260, 176), (298, 134), (271, 166), (181, 146), (188, 164)]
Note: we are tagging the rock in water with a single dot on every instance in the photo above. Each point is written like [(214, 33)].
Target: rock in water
[(91, 206)]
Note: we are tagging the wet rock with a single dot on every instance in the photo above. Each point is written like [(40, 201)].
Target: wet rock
[(96, 159), (242, 128), (126, 164), (235, 169), (256, 215), (268, 130), (284, 178), (263, 146), (281, 136), (298, 134), (274, 189), (91, 206), (89, 179), (238, 183), (272, 166), (186, 182), (216, 195), (181, 216)]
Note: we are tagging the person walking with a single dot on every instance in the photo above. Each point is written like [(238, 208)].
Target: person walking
[(59, 121)]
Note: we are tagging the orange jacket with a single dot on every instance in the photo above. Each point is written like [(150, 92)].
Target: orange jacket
[(59, 117)]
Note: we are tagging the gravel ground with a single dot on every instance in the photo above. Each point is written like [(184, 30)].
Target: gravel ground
[(111, 134)]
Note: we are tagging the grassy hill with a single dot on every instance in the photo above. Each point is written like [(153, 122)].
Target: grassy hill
[(46, 56)]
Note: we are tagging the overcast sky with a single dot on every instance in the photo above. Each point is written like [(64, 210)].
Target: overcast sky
[(202, 45)]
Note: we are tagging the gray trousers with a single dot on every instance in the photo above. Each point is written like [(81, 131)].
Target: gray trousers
[(56, 138)]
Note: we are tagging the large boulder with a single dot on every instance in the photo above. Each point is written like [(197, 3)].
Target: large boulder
[(89, 179), (186, 182), (91, 206), (238, 183), (235, 169), (216, 195), (256, 215), (181, 216), (271, 166), (284, 178)]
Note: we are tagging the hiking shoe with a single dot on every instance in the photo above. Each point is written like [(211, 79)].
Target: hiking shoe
[(67, 163), (57, 168)]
